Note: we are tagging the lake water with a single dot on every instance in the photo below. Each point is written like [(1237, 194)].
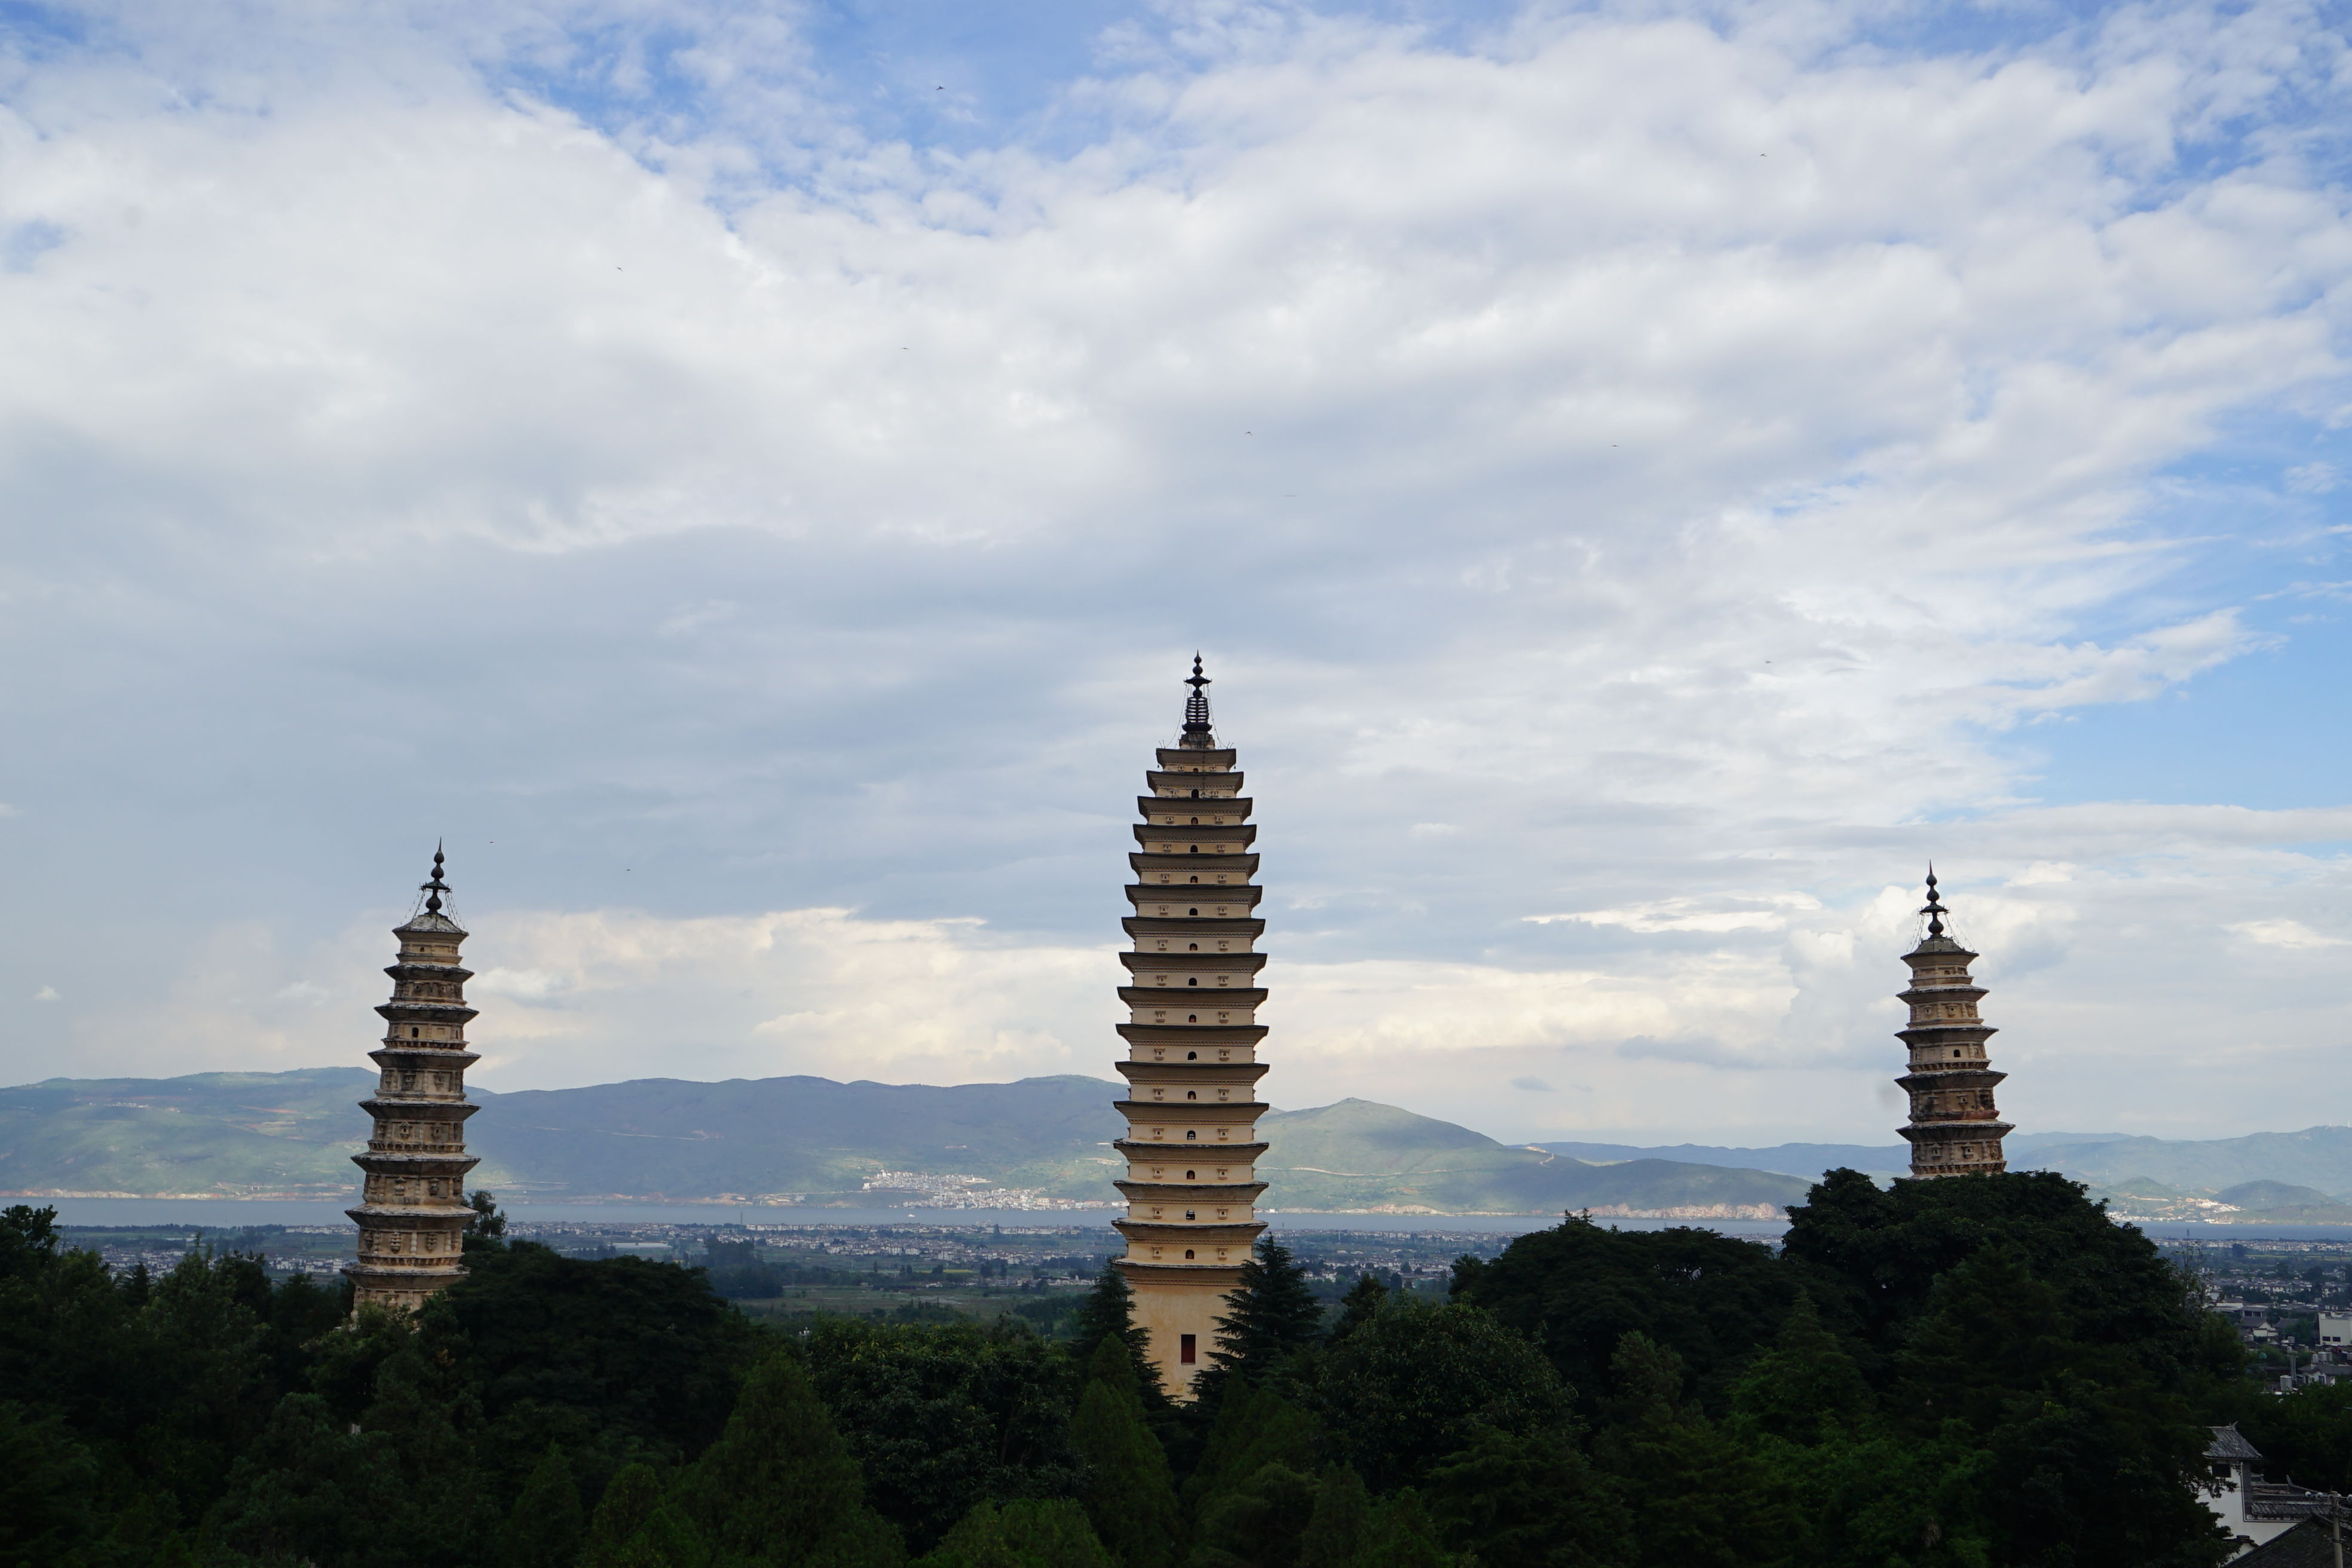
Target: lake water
[(221, 1214)]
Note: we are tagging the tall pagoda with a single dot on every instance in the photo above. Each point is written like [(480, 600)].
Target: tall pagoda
[(1955, 1129), (413, 1210), (1192, 1033)]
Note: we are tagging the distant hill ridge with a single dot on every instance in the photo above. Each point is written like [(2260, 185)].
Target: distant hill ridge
[(289, 1134), (810, 1139)]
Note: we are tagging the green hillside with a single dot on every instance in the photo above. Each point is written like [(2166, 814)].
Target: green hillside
[(261, 1134), (289, 1134), (1359, 1155)]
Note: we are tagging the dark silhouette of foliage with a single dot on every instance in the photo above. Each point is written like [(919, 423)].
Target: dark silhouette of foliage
[(1419, 1381), (1110, 1308), (46, 1482), (544, 1528), (1706, 1501), (1128, 1493), (1356, 1307), (1270, 1314), (1578, 1289), (1034, 1534), (1532, 1501), (779, 1487), (945, 1417)]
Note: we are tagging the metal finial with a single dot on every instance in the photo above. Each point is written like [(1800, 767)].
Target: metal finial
[(436, 887), (1196, 707), (1935, 905)]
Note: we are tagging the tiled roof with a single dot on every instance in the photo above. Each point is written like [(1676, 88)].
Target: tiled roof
[(2307, 1546), (2229, 1445)]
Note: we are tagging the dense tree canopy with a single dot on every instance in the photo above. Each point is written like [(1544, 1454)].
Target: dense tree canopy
[(1952, 1374)]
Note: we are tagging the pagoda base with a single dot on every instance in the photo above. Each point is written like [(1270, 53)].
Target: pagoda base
[(1179, 1308), (399, 1290)]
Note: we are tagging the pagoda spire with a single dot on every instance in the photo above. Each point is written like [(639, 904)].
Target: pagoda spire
[(1197, 731), (1192, 1106), (413, 1211), (1956, 1129)]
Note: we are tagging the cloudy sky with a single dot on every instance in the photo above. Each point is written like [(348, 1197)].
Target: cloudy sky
[(1644, 477)]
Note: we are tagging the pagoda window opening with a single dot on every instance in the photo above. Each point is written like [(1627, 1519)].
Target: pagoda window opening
[(1195, 980), (1188, 1175), (1191, 1017), (1191, 1094), (1190, 1133), (1188, 1252), (1188, 1215), (1194, 948), (1191, 1056), (1196, 879), (1196, 911)]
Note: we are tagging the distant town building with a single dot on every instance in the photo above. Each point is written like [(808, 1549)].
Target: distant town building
[(413, 1210), (1192, 1033), (1955, 1129), (2336, 1329)]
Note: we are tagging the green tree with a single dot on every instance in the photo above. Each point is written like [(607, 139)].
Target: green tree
[(1532, 1501), (1871, 1258), (1707, 1499), (1036, 1532), (2304, 1436), (543, 1528), (311, 1489), (487, 1228), (615, 1360), (1578, 1287), (1128, 1493), (1400, 1534), (1419, 1381), (1272, 1312), (779, 1487), (1110, 1308), (627, 1506), (1259, 1521), (1806, 1388), (1335, 1530), (2090, 1461), (1253, 1427), (943, 1416), (46, 1480), (1356, 1307)]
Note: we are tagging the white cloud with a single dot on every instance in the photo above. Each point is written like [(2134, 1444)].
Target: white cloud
[(1634, 467), (2284, 933)]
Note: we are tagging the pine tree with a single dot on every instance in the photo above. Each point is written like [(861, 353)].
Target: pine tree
[(1272, 1314), (1110, 1309), (1027, 1534), (780, 1487), (1335, 1535), (1130, 1494), (629, 1501), (543, 1528), (1806, 1388), (1356, 1309)]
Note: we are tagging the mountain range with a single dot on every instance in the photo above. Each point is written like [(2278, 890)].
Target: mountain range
[(1037, 1141), (808, 1141)]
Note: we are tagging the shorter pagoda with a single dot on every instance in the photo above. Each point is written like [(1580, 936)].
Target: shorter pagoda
[(1956, 1129), (413, 1211)]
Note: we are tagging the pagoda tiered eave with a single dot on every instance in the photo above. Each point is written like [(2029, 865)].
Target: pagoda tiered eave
[(1173, 894), (1192, 1036), (1180, 1112), (1231, 1153), (1206, 1075), (1146, 866), (1165, 997)]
